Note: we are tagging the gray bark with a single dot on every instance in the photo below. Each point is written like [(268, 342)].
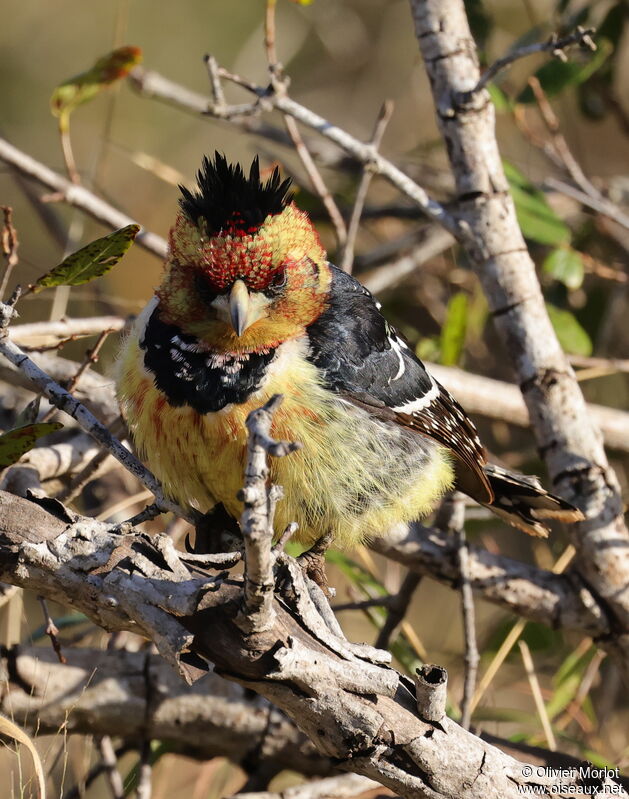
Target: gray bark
[(351, 706), (566, 436)]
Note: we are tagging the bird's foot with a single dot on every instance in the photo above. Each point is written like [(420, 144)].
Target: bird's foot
[(216, 531), (312, 563)]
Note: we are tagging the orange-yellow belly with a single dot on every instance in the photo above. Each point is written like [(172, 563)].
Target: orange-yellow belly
[(355, 476)]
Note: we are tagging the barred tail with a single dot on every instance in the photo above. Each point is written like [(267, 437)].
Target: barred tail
[(523, 502)]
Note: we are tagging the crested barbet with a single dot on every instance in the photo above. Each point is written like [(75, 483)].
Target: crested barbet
[(249, 307)]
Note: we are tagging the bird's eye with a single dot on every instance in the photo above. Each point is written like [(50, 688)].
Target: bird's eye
[(277, 282), (206, 289)]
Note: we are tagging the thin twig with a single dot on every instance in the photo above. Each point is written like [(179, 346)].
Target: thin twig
[(600, 205), (269, 34), (513, 635), (51, 630), (10, 244), (566, 158), (555, 45), (215, 81), (78, 791), (78, 196), (451, 519), (68, 155), (318, 184), (280, 85), (363, 153), (91, 356), (365, 604), (398, 606), (382, 121)]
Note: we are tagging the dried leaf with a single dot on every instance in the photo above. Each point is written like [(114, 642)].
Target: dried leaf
[(86, 85), (11, 730), (91, 261), (15, 443)]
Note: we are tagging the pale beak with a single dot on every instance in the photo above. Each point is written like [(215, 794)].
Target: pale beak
[(239, 307)]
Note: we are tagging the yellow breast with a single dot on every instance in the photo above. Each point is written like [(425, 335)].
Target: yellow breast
[(355, 476)]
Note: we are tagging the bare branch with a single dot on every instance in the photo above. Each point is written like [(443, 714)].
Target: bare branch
[(397, 606), (434, 240), (256, 521), (108, 696), (158, 86), (555, 45), (108, 757), (382, 121), (451, 519), (559, 600), (78, 196), (358, 712), (42, 333), (495, 399)]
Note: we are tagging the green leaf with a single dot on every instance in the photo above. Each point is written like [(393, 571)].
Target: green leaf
[(565, 265), (502, 102), (572, 337), (567, 681), (15, 443), (91, 261), (86, 85), (555, 75), (453, 331), (535, 216)]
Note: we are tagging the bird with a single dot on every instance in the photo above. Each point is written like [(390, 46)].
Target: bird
[(249, 307)]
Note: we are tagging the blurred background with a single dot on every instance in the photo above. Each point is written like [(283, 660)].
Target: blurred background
[(344, 58)]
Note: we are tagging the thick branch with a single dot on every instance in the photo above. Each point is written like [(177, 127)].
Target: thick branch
[(132, 694), (565, 433), (361, 713), (559, 600), (496, 399)]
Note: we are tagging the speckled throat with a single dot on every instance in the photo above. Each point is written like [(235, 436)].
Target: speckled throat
[(189, 373)]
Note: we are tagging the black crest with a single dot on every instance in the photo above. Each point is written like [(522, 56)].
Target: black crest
[(226, 198)]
